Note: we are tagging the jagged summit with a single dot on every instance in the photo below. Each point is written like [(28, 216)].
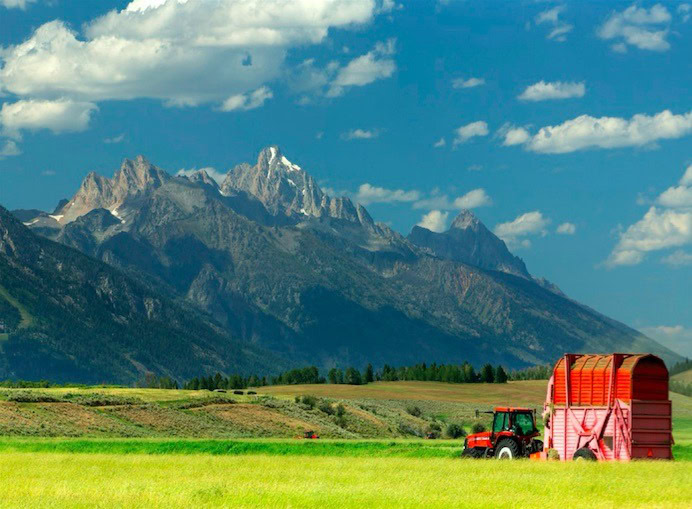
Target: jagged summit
[(466, 219), (134, 178), (469, 241)]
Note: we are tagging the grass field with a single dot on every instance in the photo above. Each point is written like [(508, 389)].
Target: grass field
[(160, 465), (685, 376), (73, 480)]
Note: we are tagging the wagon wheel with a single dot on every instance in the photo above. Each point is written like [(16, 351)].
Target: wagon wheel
[(584, 454)]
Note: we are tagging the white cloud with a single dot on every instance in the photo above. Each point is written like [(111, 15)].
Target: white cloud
[(675, 337), (542, 91), (609, 132), (678, 258), (640, 27), (115, 139), (16, 4), (435, 221), (686, 179), (59, 116), (360, 134), (551, 17), (465, 132), (371, 194), (440, 143), (658, 229), (685, 11), (514, 232), (181, 52), (467, 83), (473, 199), (514, 135), (678, 196), (566, 229), (245, 102), (374, 65), (212, 172), (9, 149)]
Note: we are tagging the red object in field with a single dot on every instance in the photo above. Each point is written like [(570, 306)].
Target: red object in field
[(609, 407)]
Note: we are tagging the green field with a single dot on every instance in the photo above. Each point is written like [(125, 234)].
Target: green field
[(110, 480), (118, 447)]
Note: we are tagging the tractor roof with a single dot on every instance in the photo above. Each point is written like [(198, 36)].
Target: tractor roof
[(512, 409)]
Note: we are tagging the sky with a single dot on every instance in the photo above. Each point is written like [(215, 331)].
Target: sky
[(565, 126)]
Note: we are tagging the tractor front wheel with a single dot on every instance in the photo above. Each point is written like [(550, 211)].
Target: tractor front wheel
[(472, 452), (507, 450)]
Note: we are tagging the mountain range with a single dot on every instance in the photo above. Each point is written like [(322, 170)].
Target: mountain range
[(282, 271)]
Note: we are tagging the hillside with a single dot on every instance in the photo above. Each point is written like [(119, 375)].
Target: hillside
[(66, 316), (283, 266)]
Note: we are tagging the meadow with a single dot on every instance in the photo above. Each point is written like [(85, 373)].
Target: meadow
[(119, 447)]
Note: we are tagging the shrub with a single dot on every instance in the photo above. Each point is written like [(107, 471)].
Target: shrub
[(240, 393), (433, 426), (251, 393), (406, 429), (453, 430), (478, 427), (309, 401), (326, 408), (414, 411), (340, 410), (31, 397)]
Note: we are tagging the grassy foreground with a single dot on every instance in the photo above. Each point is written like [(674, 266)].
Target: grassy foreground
[(65, 480)]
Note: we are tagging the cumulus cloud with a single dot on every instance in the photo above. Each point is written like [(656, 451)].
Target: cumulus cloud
[(16, 4), (514, 135), (181, 52), (473, 199), (678, 258), (676, 337), (542, 91), (685, 11), (245, 102), (665, 226), (374, 65), (368, 194), (658, 229), (440, 143), (468, 131), (586, 132), (115, 139), (637, 26), (558, 28), (566, 229), (467, 83), (59, 116), (435, 221), (9, 149), (360, 134), (515, 232), (212, 172)]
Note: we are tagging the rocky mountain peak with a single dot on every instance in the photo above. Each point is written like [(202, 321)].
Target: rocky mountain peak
[(202, 177), (469, 241), (138, 175), (466, 219)]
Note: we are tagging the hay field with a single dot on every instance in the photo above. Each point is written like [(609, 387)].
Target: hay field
[(74, 480)]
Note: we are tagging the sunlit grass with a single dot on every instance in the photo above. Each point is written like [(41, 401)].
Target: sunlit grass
[(80, 480)]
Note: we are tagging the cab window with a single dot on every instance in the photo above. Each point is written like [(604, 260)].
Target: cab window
[(501, 422), (524, 423)]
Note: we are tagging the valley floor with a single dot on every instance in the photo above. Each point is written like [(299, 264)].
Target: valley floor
[(108, 480)]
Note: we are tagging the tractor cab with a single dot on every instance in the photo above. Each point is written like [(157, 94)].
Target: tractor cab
[(512, 435)]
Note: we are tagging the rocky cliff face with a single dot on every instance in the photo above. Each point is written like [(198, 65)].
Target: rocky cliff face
[(312, 278), (469, 241)]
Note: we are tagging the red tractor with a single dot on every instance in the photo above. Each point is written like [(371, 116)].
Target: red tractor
[(513, 435)]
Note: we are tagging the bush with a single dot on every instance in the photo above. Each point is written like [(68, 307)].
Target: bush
[(239, 393), (31, 397), (309, 401), (453, 430), (414, 411), (251, 393), (406, 429), (340, 410), (326, 408), (478, 427)]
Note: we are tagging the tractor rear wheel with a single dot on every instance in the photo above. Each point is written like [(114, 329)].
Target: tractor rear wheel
[(472, 452), (584, 454), (507, 450)]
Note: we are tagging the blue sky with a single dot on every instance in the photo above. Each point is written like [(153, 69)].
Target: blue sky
[(541, 116)]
